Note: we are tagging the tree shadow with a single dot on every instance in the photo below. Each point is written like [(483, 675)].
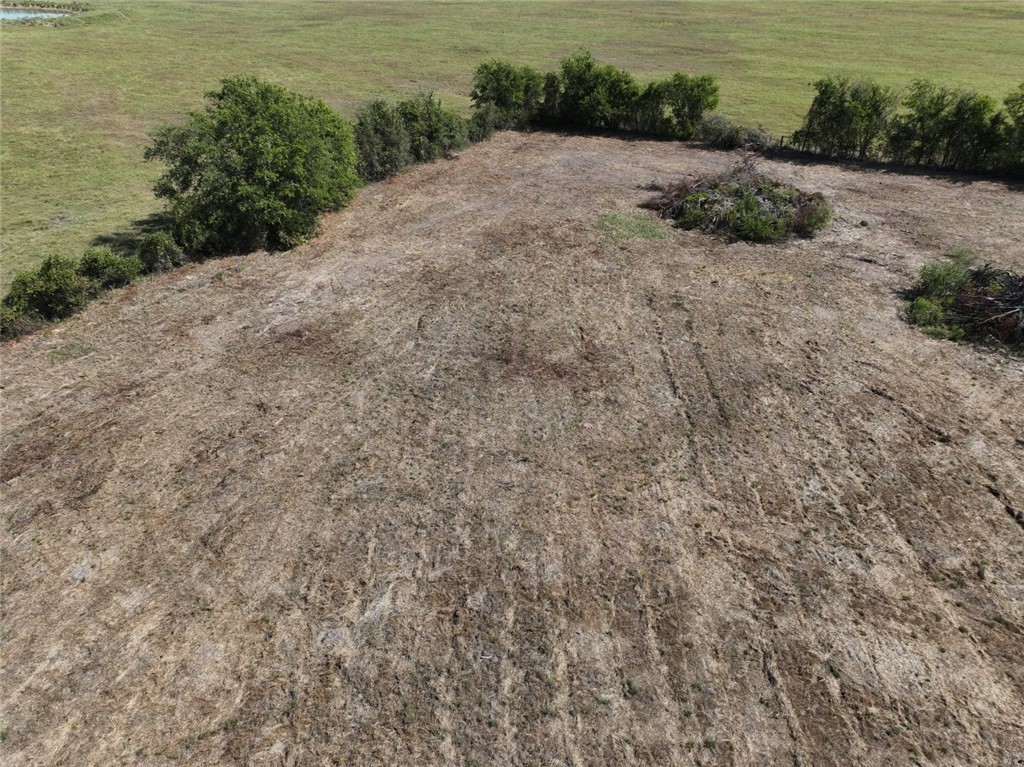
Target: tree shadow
[(126, 242)]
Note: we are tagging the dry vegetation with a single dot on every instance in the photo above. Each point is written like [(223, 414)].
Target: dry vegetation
[(465, 480)]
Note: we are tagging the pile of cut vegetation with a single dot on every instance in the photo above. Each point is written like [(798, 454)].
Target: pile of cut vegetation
[(959, 301), (745, 204)]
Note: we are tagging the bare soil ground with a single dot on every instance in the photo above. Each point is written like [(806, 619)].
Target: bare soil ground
[(463, 482)]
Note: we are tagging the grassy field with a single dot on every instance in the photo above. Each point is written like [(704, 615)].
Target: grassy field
[(79, 99)]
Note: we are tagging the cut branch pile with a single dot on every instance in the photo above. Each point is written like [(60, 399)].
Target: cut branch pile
[(743, 203), (991, 306)]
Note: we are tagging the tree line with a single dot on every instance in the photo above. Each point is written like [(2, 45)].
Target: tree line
[(258, 165), (924, 124)]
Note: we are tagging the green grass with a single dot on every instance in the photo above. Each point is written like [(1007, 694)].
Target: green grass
[(80, 98), (637, 226)]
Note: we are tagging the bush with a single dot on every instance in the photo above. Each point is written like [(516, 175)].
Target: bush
[(931, 125), (1012, 160), (550, 112), (108, 269), (926, 312), (688, 98), (650, 115), (847, 119), (595, 96), (255, 169), (722, 133), (748, 218), (382, 141), (434, 131), (54, 291), (956, 301), (158, 252), (589, 96), (14, 323), (812, 214), (484, 122), (513, 92), (947, 128), (942, 281), (744, 204)]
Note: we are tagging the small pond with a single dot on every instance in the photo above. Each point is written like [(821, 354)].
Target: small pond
[(17, 14)]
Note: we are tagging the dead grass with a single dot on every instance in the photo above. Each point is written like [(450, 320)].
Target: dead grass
[(463, 482)]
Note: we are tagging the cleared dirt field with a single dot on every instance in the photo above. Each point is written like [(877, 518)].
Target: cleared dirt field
[(465, 482)]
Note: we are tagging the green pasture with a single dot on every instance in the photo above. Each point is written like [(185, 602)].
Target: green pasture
[(80, 98)]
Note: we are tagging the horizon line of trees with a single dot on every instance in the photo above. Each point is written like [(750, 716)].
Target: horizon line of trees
[(259, 165), (924, 124)]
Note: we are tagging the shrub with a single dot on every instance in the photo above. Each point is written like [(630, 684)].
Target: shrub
[(758, 139), (434, 131), (962, 255), (595, 96), (550, 112), (483, 124), (382, 141), (1012, 160), (953, 300), (748, 218), (158, 252), (514, 93), (812, 214), (255, 169), (688, 98), (108, 269), (945, 127), (926, 312), (744, 204), (722, 133), (649, 114), (586, 95), (847, 119), (942, 281), (14, 323), (973, 133), (54, 291)]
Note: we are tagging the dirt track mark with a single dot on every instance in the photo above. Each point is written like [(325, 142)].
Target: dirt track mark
[(1015, 515), (666, 357)]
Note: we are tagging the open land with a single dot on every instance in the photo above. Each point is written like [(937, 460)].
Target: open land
[(81, 97), (467, 480)]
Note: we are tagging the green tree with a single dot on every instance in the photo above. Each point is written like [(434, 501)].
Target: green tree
[(688, 97), (514, 91), (382, 141), (595, 96), (946, 127), (1013, 133), (847, 119), (255, 168), (434, 131), (57, 289)]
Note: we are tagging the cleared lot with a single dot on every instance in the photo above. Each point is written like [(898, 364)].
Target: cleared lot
[(466, 481)]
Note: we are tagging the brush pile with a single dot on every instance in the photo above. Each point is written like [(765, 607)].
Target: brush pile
[(952, 300), (991, 307), (744, 204)]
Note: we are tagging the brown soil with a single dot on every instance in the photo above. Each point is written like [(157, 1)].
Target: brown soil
[(462, 482)]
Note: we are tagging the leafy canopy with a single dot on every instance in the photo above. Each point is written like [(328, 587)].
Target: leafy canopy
[(254, 169)]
